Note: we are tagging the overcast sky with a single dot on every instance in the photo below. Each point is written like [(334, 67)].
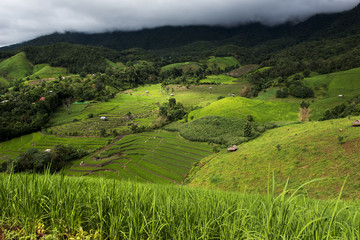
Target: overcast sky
[(22, 20)]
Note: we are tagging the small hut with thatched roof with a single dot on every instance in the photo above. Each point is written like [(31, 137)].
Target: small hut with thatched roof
[(356, 123), (233, 148)]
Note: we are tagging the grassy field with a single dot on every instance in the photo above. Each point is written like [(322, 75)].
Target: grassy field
[(60, 207), (142, 105), (4, 83), (238, 107), (333, 84), (16, 67), (328, 87), (213, 63), (219, 79), (218, 130), (157, 157), (221, 62), (46, 71), (185, 66), (61, 116), (300, 152), (13, 147)]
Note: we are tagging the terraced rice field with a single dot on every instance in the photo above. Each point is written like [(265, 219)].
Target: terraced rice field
[(157, 157), (15, 146)]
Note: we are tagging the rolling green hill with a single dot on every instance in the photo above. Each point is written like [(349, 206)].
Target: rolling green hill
[(15, 67), (185, 66), (222, 63), (328, 87), (238, 107), (212, 63), (299, 152), (46, 71)]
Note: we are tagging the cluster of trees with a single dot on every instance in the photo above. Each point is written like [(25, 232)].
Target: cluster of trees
[(76, 58), (172, 110), (262, 80), (34, 160)]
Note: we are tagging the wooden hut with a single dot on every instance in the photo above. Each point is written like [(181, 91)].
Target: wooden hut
[(356, 123), (233, 148)]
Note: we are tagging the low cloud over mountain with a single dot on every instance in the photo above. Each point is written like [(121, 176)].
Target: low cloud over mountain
[(22, 20)]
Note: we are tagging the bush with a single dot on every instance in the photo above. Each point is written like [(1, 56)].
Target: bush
[(102, 132), (90, 115), (300, 91), (282, 93)]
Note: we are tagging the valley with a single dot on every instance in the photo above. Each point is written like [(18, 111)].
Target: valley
[(229, 134)]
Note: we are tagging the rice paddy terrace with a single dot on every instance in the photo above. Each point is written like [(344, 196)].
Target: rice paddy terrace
[(158, 157)]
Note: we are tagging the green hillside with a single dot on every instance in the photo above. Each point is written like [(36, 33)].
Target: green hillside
[(3, 82), (222, 63), (46, 71), (238, 107), (300, 152), (219, 79), (333, 84), (185, 66), (15, 67), (213, 64), (328, 87), (141, 104)]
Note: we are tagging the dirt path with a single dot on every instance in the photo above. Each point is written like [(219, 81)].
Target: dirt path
[(108, 146)]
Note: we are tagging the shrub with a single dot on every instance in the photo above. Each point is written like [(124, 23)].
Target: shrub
[(282, 93), (102, 132), (247, 129), (90, 115), (250, 118), (300, 91)]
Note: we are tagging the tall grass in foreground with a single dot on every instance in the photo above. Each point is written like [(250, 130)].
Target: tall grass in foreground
[(66, 206)]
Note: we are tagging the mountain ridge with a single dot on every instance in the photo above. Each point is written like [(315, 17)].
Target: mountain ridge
[(317, 26)]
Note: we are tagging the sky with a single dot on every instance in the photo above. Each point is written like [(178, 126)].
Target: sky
[(22, 20)]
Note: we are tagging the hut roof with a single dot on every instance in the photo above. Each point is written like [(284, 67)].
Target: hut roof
[(356, 122), (233, 148)]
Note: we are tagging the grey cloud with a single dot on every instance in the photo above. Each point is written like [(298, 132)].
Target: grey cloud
[(22, 20)]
